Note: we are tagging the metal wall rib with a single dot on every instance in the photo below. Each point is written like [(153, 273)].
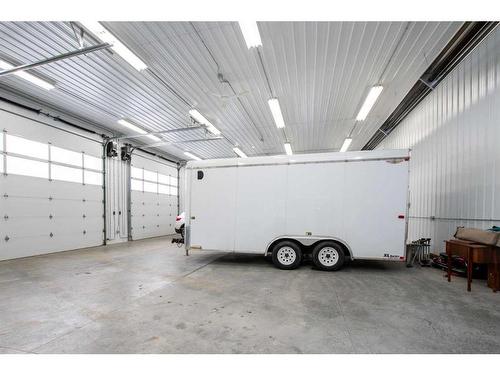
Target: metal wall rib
[(454, 135)]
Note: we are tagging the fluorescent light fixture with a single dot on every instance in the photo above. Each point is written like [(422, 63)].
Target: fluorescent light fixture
[(190, 155), (370, 100), (240, 153), (288, 149), (251, 34), (154, 138), (103, 34), (138, 130), (274, 105), (132, 127), (346, 144), (27, 76), (202, 120)]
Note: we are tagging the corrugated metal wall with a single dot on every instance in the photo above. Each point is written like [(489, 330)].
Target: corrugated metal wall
[(454, 135)]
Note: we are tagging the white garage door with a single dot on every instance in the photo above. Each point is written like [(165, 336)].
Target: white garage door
[(51, 196), (154, 197)]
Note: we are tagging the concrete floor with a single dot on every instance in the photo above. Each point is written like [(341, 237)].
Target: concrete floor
[(147, 297)]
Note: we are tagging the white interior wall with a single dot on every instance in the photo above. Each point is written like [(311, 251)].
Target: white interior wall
[(454, 134)]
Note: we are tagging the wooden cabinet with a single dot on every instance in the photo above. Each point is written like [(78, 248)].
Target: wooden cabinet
[(475, 253)]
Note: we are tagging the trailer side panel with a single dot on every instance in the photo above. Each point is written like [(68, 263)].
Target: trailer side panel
[(243, 207)]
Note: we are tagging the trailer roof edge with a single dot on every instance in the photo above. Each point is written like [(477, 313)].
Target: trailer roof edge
[(301, 159)]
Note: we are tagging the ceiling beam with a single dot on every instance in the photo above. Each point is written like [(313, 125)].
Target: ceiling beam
[(52, 59), (169, 131), (171, 143)]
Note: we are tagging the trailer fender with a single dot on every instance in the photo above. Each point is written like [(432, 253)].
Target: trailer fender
[(309, 241)]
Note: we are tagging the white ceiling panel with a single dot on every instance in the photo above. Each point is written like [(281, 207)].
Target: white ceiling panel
[(320, 72)]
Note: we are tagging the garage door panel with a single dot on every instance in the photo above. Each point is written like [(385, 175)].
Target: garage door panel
[(76, 224), (92, 226), (71, 190), (135, 195), (20, 207), (68, 208), (94, 191), (165, 199), (26, 226), (35, 226), (23, 186), (151, 230), (70, 240), (29, 216), (153, 214), (18, 247), (40, 216), (151, 210), (150, 197), (94, 206), (72, 208), (142, 228), (167, 227)]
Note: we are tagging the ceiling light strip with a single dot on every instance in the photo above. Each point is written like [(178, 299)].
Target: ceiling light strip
[(274, 106), (346, 144), (250, 32), (137, 129), (240, 153), (27, 76), (191, 156), (370, 101), (106, 36), (194, 113)]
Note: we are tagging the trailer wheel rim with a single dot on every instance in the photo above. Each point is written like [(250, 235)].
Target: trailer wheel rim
[(328, 256), (286, 255)]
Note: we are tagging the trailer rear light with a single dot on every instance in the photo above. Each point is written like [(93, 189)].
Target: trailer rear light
[(401, 216)]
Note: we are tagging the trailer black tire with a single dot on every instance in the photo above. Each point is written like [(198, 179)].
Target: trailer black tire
[(328, 256), (287, 255)]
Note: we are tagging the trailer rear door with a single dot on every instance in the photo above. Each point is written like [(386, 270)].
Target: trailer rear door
[(213, 208)]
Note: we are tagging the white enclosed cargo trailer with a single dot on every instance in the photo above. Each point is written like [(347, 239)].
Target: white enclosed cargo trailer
[(332, 206)]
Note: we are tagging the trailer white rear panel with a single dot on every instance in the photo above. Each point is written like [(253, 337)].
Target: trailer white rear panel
[(242, 205)]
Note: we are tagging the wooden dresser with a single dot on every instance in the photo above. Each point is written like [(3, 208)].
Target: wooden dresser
[(475, 253)]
